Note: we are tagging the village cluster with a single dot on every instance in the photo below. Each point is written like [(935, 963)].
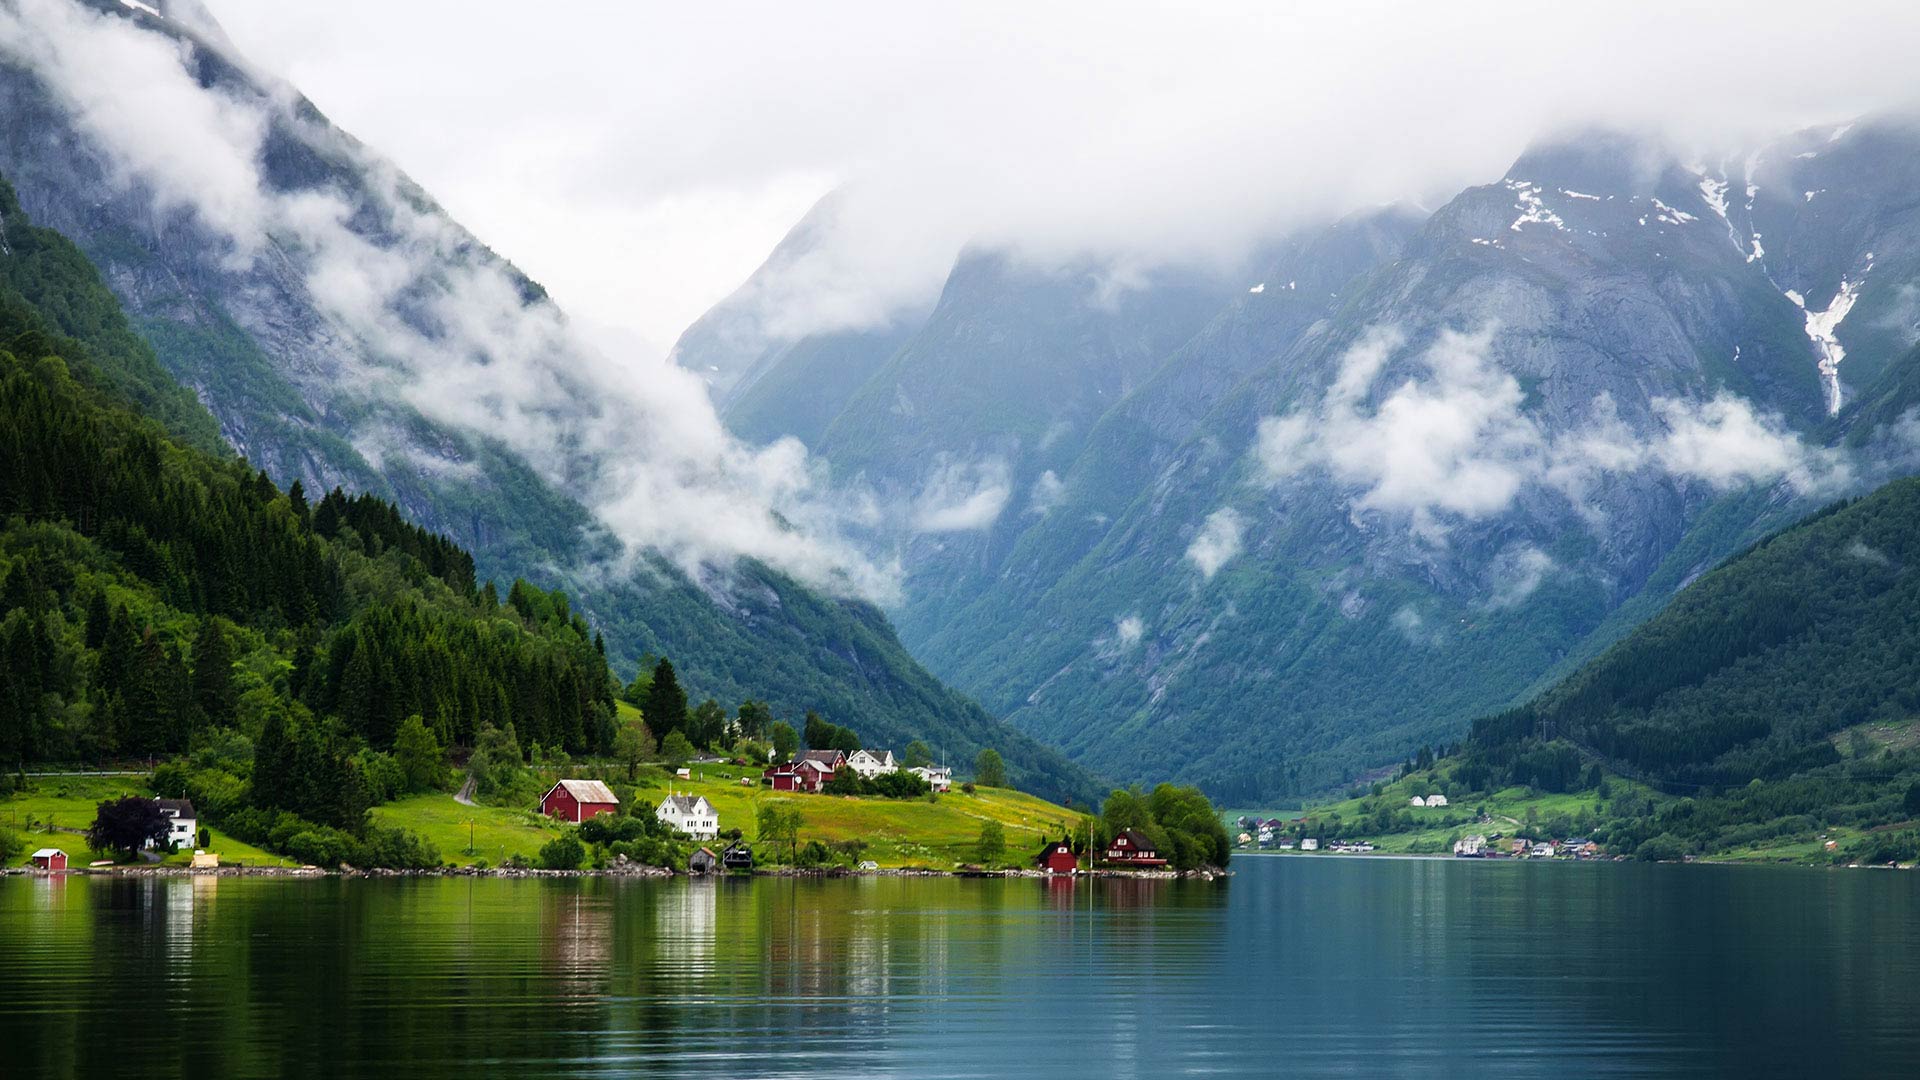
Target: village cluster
[(1273, 834)]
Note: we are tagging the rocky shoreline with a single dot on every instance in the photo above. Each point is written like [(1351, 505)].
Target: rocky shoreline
[(626, 870)]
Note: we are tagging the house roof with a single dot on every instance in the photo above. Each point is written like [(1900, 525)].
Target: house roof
[(823, 757), (1136, 839), (180, 807), (686, 804), (588, 791), (48, 853)]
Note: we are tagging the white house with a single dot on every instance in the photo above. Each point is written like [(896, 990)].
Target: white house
[(938, 777), (1542, 850), (1416, 801), (871, 763), (1436, 800), (182, 824), (1471, 847), (1309, 844), (691, 814)]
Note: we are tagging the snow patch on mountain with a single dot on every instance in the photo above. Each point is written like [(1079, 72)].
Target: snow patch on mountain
[(1532, 209), (1822, 329)]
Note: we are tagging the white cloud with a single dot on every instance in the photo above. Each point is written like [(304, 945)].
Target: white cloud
[(641, 159), (1453, 442), (1128, 629), (1218, 541), (422, 319), (1048, 490), (1515, 573), (962, 496)]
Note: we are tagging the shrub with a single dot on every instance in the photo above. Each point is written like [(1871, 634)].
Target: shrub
[(11, 845), (397, 849), (1663, 848), (814, 853), (562, 853), (202, 838)]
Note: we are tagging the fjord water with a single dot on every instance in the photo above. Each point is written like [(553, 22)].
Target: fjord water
[(1303, 966)]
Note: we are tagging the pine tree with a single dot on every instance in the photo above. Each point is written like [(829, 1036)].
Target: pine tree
[(666, 704), (213, 692)]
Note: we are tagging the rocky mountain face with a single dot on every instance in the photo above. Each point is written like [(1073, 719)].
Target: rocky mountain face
[(343, 330), (1412, 468)]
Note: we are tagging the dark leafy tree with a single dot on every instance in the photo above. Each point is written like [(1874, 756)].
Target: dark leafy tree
[(126, 825)]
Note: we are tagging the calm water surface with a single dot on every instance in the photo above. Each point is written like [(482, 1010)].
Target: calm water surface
[(1298, 967)]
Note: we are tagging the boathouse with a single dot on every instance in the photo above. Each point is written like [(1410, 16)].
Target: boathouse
[(1057, 858)]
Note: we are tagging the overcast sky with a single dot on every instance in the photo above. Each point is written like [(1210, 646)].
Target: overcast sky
[(641, 159)]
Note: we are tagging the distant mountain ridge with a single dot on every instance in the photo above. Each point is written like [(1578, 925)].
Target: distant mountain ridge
[(1258, 554)]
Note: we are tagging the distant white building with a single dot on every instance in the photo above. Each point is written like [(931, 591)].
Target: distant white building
[(938, 777), (1542, 850), (691, 814), (1436, 800), (1470, 847), (1309, 844), (182, 824), (1416, 801), (872, 763)]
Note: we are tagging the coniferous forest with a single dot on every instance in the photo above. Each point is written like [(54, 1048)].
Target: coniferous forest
[(162, 599)]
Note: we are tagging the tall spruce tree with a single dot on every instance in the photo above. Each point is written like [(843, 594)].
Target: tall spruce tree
[(666, 704)]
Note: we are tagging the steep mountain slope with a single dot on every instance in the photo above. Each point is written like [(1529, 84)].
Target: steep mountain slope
[(344, 331), (1751, 668), (1485, 450)]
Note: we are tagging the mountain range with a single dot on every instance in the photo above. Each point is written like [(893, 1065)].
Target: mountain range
[(342, 330), (1406, 469)]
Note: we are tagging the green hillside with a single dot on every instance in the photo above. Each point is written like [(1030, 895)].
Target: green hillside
[(1775, 700)]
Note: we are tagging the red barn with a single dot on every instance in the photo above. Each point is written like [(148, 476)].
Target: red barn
[(1130, 848), (802, 775), (578, 800), (50, 859), (1057, 858)]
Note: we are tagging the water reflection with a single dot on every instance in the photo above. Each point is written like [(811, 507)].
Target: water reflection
[(1303, 966)]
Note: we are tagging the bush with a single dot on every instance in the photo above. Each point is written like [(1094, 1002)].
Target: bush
[(11, 845), (397, 849), (202, 838), (1663, 848), (562, 853), (967, 787), (813, 854)]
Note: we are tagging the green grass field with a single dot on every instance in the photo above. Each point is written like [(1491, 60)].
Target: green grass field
[(70, 801), (497, 833), (898, 833)]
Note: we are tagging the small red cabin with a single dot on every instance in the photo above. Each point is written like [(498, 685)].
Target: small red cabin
[(802, 775), (1058, 858), (578, 800), (1131, 848), (50, 859)]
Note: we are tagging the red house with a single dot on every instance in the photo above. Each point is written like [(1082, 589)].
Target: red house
[(49, 859), (1130, 848), (1058, 858), (578, 800), (830, 760), (802, 775)]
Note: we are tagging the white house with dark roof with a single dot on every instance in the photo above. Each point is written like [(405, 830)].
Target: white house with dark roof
[(872, 763), (691, 814), (182, 824)]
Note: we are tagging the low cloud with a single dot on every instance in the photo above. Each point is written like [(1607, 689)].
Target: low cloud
[(1516, 573), (422, 317), (1453, 443), (1047, 493), (1218, 542), (962, 497), (1127, 630)]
